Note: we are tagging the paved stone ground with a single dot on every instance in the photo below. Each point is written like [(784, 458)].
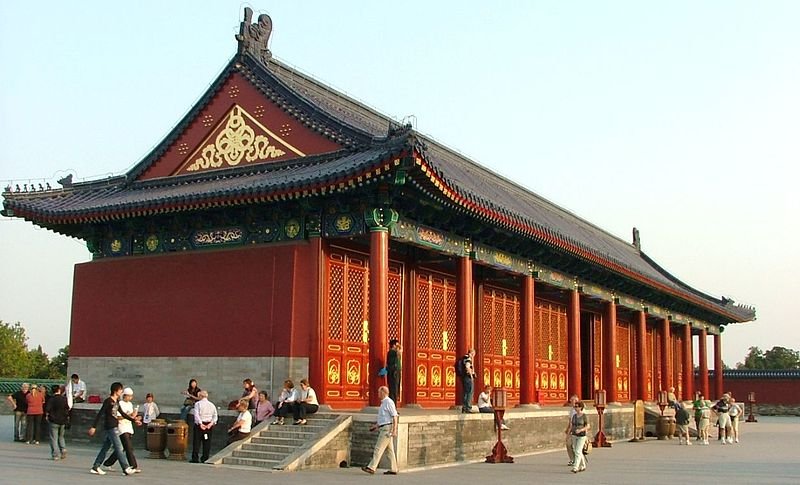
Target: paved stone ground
[(767, 454)]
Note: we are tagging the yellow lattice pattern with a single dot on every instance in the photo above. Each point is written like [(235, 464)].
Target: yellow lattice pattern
[(357, 310), (624, 345), (423, 322), (395, 296), (437, 315), (336, 307), (451, 317)]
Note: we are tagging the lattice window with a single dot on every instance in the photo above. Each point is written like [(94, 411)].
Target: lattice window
[(623, 345), (499, 317), (357, 309), (451, 316), (487, 329), (423, 295), (437, 315), (395, 296), (336, 300), (513, 327)]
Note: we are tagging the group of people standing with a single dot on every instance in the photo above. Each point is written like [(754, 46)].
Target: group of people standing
[(37, 410), (728, 413)]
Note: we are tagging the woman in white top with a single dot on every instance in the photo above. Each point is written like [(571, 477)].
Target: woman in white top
[(241, 428), (129, 415), (285, 401), (735, 412), (306, 403)]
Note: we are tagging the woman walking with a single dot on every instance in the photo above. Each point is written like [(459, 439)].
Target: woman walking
[(580, 426)]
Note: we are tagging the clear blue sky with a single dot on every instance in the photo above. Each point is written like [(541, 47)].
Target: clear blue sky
[(679, 118)]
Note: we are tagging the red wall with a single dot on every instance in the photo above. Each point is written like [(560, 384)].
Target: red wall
[(242, 302), (768, 391)]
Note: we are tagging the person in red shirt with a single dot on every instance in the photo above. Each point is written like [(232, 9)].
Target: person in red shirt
[(35, 399)]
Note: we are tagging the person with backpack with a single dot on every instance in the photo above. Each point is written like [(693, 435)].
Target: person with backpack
[(466, 372)]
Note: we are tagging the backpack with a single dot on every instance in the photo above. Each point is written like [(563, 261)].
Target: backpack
[(461, 367)]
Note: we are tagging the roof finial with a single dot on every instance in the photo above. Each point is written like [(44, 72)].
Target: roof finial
[(637, 243), (253, 37)]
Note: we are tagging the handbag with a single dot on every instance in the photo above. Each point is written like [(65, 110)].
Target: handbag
[(587, 447)]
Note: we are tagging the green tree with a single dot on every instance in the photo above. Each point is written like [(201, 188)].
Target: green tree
[(58, 364), (782, 358), (753, 360), (39, 364), (13, 350)]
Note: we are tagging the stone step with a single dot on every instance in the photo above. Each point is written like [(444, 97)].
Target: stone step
[(275, 447), (283, 442), (277, 456), (282, 435), (258, 462)]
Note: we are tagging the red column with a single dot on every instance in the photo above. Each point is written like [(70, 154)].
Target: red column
[(718, 385), (378, 308), (641, 351), (316, 364), (527, 358), (688, 366), (464, 318), (666, 351), (610, 351), (701, 340), (574, 343)]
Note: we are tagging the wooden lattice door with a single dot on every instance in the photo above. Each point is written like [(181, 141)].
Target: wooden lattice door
[(597, 353), (677, 364), (436, 339), (656, 362), (499, 353), (623, 361), (550, 328), (347, 325)]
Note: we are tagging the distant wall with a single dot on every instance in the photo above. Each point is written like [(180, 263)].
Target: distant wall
[(777, 391)]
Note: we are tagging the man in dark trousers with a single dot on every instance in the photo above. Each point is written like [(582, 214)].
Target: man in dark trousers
[(19, 403), (205, 417), (109, 413), (56, 409), (393, 368)]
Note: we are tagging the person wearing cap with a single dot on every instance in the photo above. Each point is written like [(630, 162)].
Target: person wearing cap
[(130, 416)]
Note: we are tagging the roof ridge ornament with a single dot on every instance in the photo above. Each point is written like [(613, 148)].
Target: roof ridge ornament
[(253, 37)]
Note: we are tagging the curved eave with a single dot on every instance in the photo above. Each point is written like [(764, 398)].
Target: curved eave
[(551, 238), (345, 182)]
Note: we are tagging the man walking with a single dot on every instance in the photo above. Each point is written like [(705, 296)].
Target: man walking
[(205, 417), (56, 409), (386, 424), (573, 400), (467, 372), (19, 402), (109, 413), (393, 368)]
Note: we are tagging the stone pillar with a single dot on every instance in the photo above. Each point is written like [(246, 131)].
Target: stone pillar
[(718, 371), (378, 220), (701, 340), (527, 358), (464, 317), (574, 343), (610, 351), (317, 372), (666, 351), (641, 351), (688, 364)]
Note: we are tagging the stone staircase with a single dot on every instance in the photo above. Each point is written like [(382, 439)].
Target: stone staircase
[(276, 447)]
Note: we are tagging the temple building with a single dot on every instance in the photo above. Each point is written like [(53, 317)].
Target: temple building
[(284, 230)]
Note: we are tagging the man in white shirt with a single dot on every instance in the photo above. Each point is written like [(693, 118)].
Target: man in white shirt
[(205, 417), (76, 390), (386, 425)]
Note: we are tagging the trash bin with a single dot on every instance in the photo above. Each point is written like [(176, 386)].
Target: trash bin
[(157, 438), (672, 431), (177, 440), (662, 427)]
